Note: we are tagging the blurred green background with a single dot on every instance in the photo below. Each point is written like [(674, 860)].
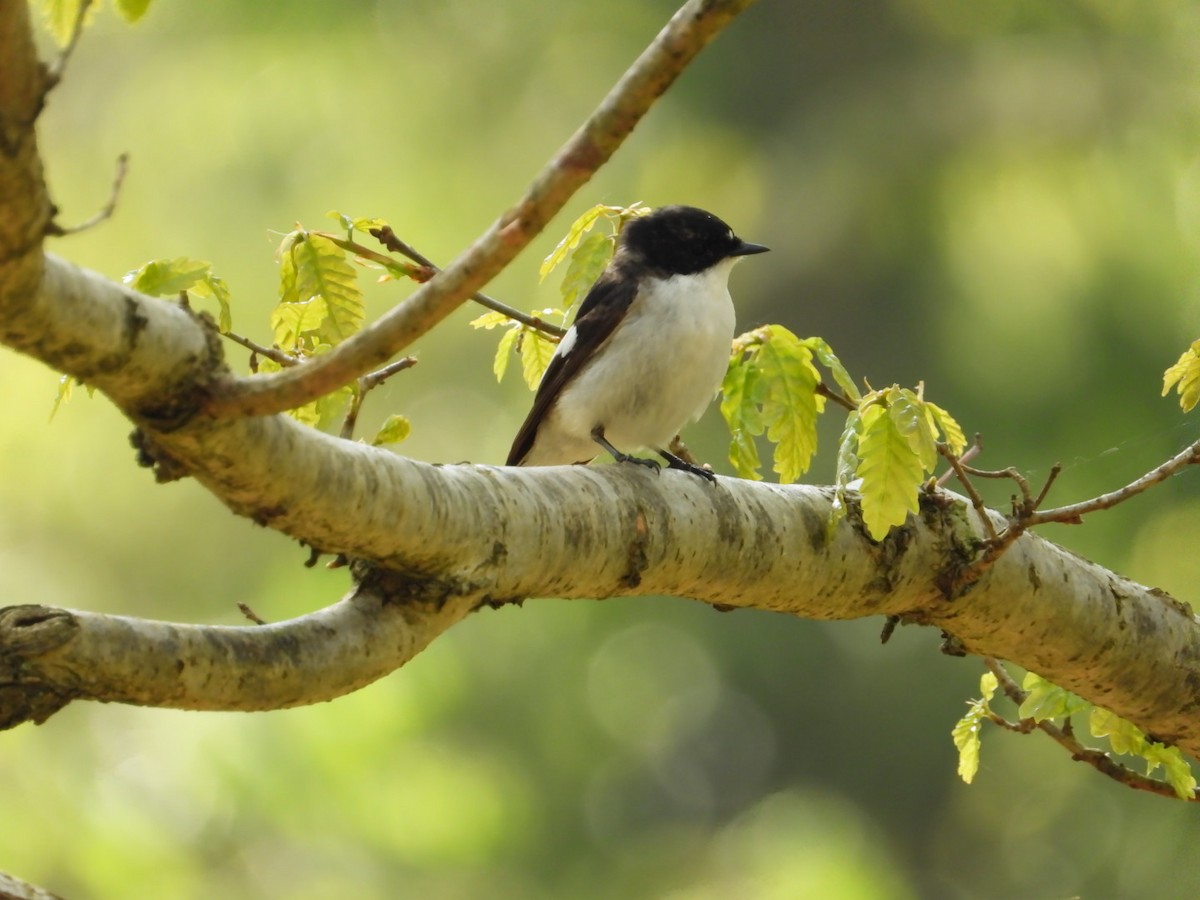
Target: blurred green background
[(1000, 197)]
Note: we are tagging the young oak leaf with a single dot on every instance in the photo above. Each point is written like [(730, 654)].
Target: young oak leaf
[(291, 322), (889, 467), (740, 408), (950, 429), (60, 17), (166, 277), (574, 235), (966, 731), (790, 404), (535, 351), (1046, 700), (163, 277), (587, 262), (395, 428), (618, 215), (1125, 737), (1184, 376), (131, 10), (321, 270), (352, 224), (908, 411), (829, 360)]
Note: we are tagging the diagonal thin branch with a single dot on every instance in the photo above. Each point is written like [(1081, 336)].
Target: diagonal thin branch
[(1073, 512), (389, 239), (691, 28)]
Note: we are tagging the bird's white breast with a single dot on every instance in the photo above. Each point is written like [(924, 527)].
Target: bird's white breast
[(657, 371)]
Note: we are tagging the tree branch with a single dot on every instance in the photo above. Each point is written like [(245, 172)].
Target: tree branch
[(687, 33)]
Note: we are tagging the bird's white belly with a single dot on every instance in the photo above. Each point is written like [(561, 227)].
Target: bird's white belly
[(657, 372)]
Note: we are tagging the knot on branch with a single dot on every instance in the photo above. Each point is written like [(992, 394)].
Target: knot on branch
[(27, 632)]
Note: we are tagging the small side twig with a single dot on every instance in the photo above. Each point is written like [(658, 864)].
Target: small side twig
[(842, 400), (388, 238), (251, 614), (960, 470), (967, 455), (54, 72), (1064, 736), (105, 212), (1074, 512), (419, 273), (272, 353), (367, 383)]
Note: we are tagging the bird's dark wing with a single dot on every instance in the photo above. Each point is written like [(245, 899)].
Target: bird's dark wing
[(605, 305)]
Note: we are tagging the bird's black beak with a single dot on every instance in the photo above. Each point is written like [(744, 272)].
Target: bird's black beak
[(745, 248)]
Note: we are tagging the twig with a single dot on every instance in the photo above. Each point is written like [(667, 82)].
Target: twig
[(251, 614), (1075, 511), (388, 238), (273, 353), (960, 470), (967, 455), (1064, 737), (368, 383), (105, 212), (54, 72), (420, 273), (1055, 470), (841, 399), (691, 28)]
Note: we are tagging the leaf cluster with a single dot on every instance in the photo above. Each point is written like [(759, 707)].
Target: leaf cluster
[(1045, 702), (320, 305)]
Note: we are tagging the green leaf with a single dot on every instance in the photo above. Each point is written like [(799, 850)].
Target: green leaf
[(504, 352), (292, 321), (535, 356), (966, 732), (587, 262), (847, 455), (1185, 377), (324, 411), (889, 467), (829, 360), (132, 10), (951, 431), (1126, 738), (966, 739), (790, 403), (1175, 768), (215, 288), (574, 235), (490, 320), (394, 429), (363, 223), (1048, 701), (60, 17), (1123, 736), (908, 412), (163, 277), (321, 270), (740, 409), (987, 685)]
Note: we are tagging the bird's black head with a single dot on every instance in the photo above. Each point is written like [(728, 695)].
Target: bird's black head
[(682, 240)]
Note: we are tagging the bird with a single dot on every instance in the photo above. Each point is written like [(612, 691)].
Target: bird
[(647, 350)]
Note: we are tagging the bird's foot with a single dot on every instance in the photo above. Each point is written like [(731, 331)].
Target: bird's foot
[(675, 462)]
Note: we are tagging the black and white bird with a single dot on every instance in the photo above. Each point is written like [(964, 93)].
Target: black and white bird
[(648, 348)]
